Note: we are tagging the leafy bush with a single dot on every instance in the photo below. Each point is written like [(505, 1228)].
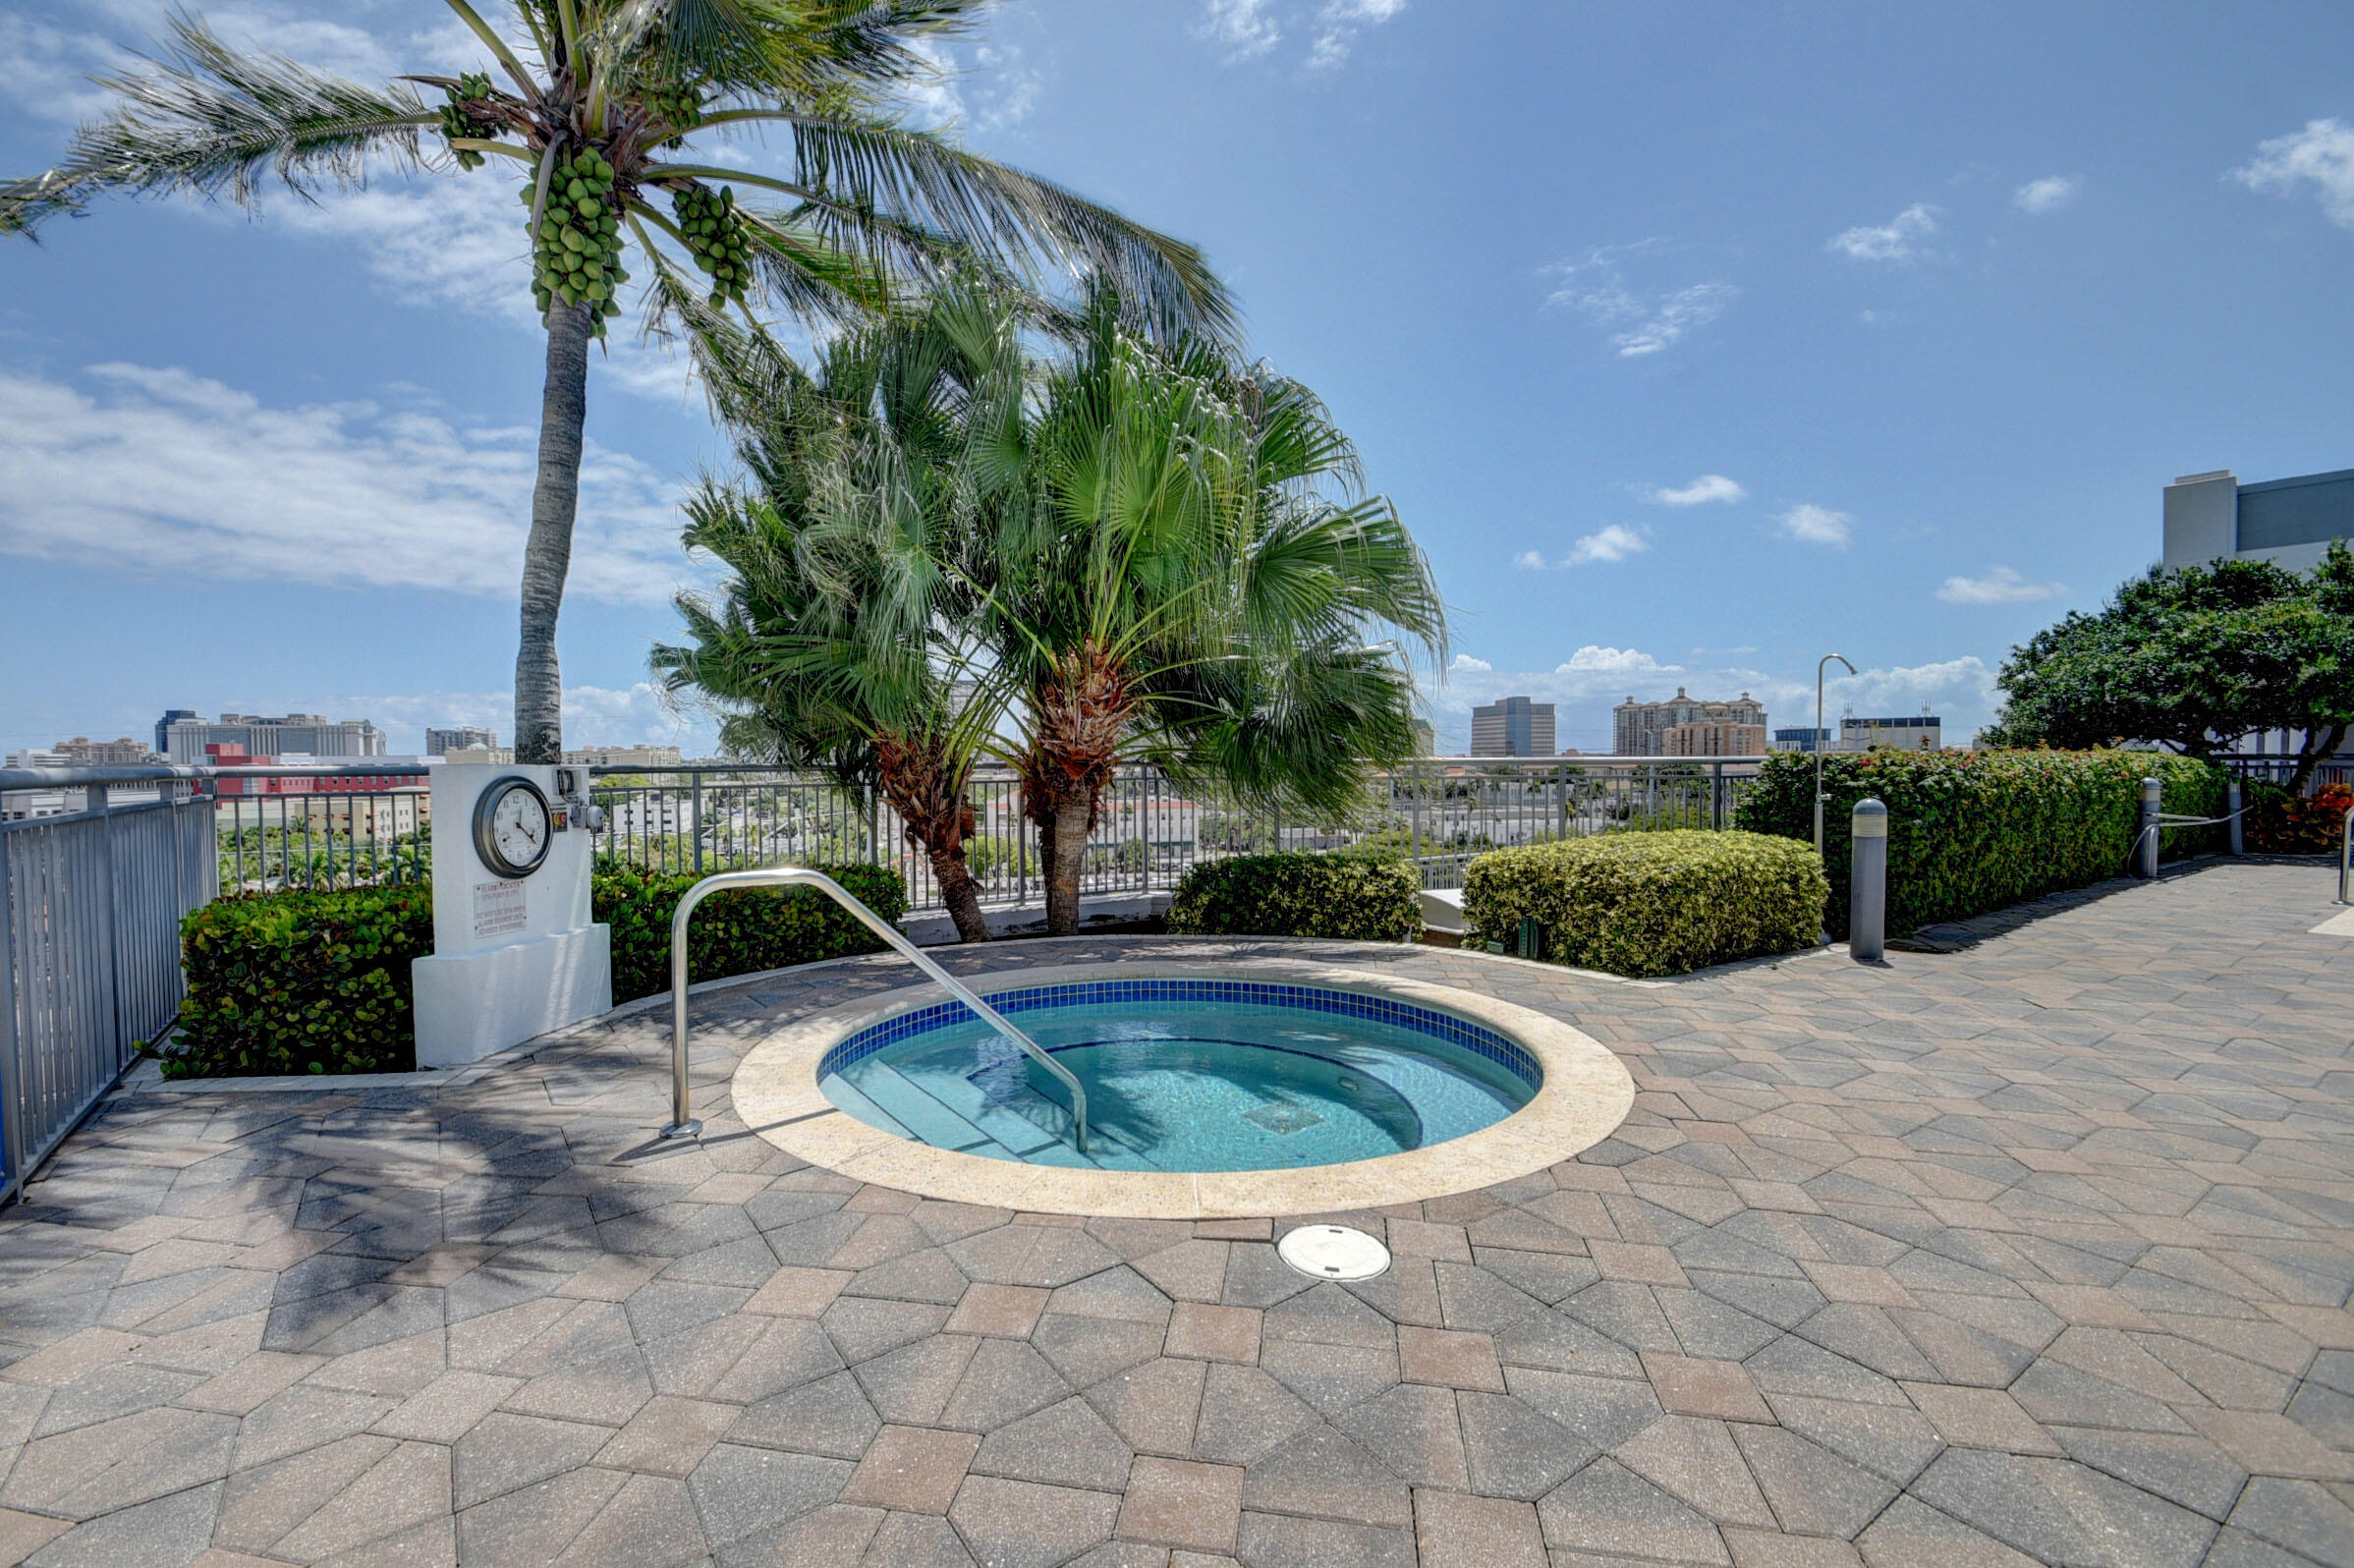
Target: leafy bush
[(1974, 831), (300, 983), (318, 983), (1645, 904), (2282, 823), (733, 933), (1346, 896)]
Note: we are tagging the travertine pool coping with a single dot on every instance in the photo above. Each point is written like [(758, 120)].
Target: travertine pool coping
[(1586, 1093)]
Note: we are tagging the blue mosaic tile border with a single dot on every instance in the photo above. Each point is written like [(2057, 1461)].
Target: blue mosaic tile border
[(1474, 1037)]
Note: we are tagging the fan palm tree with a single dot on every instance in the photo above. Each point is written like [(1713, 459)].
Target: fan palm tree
[(591, 103), (1192, 580), (838, 640)]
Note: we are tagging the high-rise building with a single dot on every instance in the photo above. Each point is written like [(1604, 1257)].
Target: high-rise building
[(1517, 726), (188, 740), (640, 756), (1425, 739), (1713, 738), (163, 728), (2288, 521), (460, 738), (1640, 729), (82, 751)]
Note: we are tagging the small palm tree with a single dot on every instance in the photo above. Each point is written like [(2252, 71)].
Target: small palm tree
[(1192, 580), (591, 102), (837, 639)]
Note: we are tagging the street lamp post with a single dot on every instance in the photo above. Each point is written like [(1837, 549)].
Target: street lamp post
[(1819, 735)]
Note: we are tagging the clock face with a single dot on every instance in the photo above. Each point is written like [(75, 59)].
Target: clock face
[(511, 826)]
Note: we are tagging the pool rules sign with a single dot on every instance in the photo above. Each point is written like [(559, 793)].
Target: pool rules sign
[(514, 952)]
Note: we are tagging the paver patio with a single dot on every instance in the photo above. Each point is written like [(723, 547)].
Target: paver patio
[(2034, 1251)]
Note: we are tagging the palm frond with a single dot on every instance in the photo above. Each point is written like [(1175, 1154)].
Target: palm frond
[(1013, 221), (201, 117)]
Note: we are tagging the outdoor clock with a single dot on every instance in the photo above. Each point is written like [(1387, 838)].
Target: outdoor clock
[(513, 826)]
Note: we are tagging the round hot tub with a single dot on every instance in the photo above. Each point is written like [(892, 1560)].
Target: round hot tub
[(1184, 1075), (1214, 1088)]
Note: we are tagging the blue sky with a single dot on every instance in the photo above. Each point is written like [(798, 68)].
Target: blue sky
[(1693, 339)]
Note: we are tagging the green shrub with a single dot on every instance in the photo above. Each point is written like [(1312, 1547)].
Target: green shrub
[(733, 933), (1974, 831), (318, 983), (1645, 904), (300, 983), (1345, 896)]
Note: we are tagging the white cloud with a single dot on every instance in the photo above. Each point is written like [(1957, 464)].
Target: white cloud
[(1898, 240), (1613, 543), (2047, 194), (1529, 560), (1466, 664), (1593, 659), (996, 92), (2001, 586), (1808, 523), (1242, 27), (1904, 688), (384, 493), (1700, 492), (2320, 155), (1340, 22), (1649, 320), (593, 715)]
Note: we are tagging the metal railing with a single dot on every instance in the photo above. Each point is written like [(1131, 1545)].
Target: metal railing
[(92, 896), (1440, 812), (2278, 767), (683, 1123)]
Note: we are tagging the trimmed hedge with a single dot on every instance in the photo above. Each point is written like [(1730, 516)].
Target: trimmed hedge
[(1647, 904), (734, 933), (300, 983), (1975, 832), (1344, 896), (318, 983)]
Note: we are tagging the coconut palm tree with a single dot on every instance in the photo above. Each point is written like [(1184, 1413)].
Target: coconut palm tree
[(1194, 579), (591, 104), (837, 639)]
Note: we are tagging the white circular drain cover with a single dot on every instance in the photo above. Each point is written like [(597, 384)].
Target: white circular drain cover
[(1333, 1252)]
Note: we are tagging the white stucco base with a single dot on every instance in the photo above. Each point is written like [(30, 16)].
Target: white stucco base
[(471, 1004)]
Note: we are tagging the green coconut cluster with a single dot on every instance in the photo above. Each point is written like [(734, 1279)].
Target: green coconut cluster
[(579, 254), (714, 233), (677, 105), (457, 121)]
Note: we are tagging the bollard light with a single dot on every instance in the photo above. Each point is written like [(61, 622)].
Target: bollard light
[(2231, 808), (2145, 845), (1868, 882)]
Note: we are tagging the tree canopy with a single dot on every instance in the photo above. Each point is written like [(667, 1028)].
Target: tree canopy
[(2195, 658)]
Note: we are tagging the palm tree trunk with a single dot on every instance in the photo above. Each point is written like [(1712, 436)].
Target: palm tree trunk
[(547, 553), (960, 893), (1066, 859)]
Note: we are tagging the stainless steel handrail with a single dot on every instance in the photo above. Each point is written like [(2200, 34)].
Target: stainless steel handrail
[(2345, 857), (683, 1123)]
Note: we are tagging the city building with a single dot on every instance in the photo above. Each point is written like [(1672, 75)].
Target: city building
[(1514, 727), (625, 756), (1918, 732), (191, 740), (1640, 729), (82, 751), (460, 738), (163, 727), (221, 756), (2287, 520), (1425, 739), (1808, 739), (1713, 738)]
